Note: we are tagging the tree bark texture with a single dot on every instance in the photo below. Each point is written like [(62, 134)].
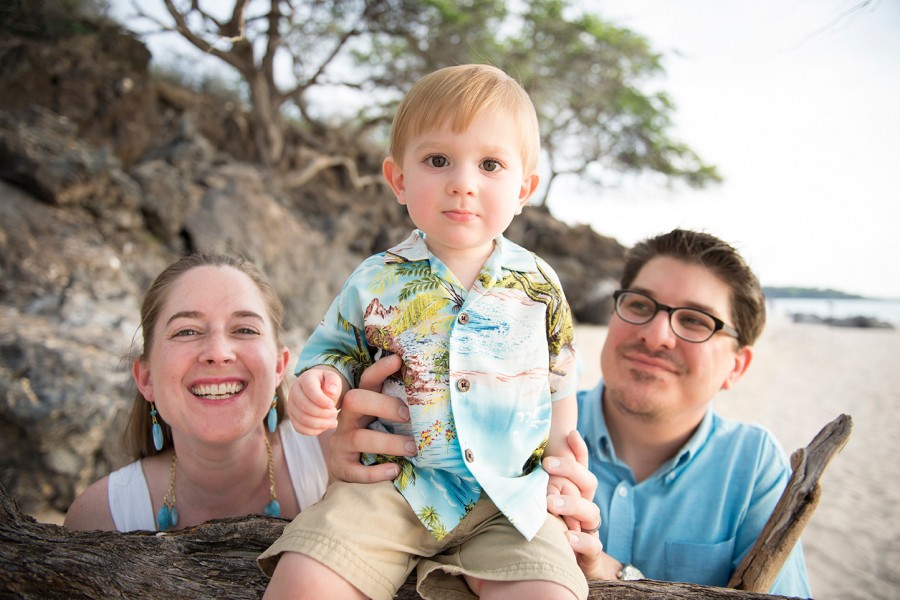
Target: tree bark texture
[(798, 501), (212, 560)]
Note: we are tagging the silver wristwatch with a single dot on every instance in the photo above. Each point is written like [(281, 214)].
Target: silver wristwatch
[(629, 573)]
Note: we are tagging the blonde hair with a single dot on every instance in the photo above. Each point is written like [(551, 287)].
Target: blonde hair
[(138, 437), (458, 95)]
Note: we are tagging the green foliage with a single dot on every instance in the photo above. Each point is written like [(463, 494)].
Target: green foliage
[(584, 75), (587, 77)]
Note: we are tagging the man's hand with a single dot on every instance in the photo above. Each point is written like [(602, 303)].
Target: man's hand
[(580, 508), (360, 407)]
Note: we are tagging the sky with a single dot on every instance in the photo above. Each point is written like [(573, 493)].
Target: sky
[(797, 103)]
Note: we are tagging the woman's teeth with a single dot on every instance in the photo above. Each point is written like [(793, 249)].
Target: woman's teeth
[(214, 391)]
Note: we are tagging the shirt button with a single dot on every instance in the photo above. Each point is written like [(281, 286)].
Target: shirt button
[(623, 491), (470, 456), (463, 318), (463, 385)]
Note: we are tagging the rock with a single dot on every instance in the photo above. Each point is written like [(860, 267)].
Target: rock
[(99, 80), (589, 265)]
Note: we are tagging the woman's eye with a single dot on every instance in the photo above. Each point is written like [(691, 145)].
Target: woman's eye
[(185, 333), (490, 165), (437, 161), (247, 331)]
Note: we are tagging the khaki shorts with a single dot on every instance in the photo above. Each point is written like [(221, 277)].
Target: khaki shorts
[(368, 534)]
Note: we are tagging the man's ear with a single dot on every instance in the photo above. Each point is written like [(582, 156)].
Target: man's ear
[(742, 359), (529, 184), (393, 173)]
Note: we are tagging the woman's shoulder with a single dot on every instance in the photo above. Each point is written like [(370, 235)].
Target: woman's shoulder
[(90, 509)]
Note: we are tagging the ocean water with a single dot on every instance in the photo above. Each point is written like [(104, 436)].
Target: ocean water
[(839, 308)]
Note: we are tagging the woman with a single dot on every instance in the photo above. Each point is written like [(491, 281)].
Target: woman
[(204, 428)]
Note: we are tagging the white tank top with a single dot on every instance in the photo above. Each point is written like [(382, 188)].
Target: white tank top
[(129, 496)]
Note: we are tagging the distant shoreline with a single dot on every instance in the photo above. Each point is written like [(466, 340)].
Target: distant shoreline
[(844, 311), (810, 293)]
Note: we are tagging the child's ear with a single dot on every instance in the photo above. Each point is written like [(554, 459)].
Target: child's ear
[(393, 173), (529, 184)]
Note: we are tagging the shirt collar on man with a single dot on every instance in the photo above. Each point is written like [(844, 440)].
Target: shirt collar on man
[(591, 413), (672, 467)]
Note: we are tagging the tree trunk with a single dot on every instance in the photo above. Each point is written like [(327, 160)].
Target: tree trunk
[(212, 560)]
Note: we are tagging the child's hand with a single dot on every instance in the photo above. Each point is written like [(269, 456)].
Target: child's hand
[(312, 403)]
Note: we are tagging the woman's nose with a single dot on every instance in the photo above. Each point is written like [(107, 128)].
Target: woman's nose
[(217, 349)]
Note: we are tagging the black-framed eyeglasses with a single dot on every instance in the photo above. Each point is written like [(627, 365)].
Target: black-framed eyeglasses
[(690, 324)]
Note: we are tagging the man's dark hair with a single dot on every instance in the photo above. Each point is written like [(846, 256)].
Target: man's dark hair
[(748, 304)]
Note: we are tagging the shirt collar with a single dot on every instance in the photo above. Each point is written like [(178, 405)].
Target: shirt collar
[(507, 255), (673, 467)]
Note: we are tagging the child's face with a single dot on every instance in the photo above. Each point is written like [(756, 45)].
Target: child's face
[(463, 189)]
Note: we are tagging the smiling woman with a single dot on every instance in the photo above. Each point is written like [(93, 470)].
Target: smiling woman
[(203, 428)]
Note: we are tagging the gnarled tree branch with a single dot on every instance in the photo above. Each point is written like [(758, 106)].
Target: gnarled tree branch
[(213, 560)]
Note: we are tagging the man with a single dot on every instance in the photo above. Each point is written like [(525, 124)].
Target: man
[(683, 493)]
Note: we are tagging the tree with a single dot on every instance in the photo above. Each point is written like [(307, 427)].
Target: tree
[(584, 75)]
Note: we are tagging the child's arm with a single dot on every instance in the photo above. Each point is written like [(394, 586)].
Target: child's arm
[(563, 420), (315, 398)]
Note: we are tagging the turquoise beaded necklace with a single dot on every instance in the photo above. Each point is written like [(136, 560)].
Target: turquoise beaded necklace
[(167, 517)]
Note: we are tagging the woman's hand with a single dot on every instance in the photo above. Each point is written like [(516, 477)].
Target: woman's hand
[(351, 438), (585, 540)]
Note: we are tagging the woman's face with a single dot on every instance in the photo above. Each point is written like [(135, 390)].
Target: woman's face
[(214, 363)]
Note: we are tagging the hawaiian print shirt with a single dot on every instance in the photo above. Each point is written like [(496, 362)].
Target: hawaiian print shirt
[(480, 370)]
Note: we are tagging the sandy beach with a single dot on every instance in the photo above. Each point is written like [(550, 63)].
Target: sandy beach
[(802, 377)]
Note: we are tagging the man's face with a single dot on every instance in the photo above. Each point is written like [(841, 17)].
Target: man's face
[(654, 375)]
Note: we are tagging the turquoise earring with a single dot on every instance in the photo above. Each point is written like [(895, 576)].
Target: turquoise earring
[(156, 429), (272, 417)]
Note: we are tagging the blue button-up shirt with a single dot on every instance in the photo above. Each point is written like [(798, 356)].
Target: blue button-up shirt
[(695, 518), (480, 370)]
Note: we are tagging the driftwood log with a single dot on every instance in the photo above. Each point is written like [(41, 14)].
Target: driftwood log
[(801, 496), (213, 560), (218, 559)]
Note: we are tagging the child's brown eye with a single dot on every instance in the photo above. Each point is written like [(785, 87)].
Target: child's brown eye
[(437, 161)]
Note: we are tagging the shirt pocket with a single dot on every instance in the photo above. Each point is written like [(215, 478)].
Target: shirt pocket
[(704, 564)]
